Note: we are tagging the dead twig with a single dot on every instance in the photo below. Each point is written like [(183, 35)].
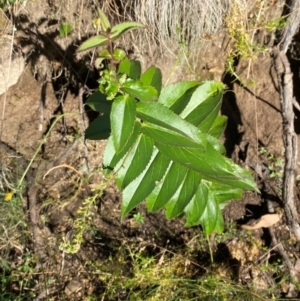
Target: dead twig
[(39, 243), (279, 247)]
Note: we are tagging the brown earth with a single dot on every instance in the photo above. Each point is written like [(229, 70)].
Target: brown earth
[(51, 84)]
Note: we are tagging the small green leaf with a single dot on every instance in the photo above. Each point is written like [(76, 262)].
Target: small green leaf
[(99, 129), (93, 42), (224, 193), (65, 29), (111, 158), (166, 188), (176, 96), (212, 219), (134, 162), (197, 205), (142, 186), (98, 102), (152, 77), (205, 210), (122, 120), (104, 20), (121, 28), (130, 67), (104, 54), (139, 90), (204, 105), (119, 54), (183, 194), (158, 114)]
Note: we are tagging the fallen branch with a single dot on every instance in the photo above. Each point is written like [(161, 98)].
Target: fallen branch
[(285, 82)]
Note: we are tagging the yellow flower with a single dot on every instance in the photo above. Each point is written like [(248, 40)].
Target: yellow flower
[(8, 196)]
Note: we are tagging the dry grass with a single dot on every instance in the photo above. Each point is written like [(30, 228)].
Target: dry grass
[(170, 23)]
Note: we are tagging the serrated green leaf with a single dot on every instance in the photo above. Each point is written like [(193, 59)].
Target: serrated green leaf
[(65, 29), (177, 96), (224, 193), (130, 67), (122, 120), (139, 90), (167, 187), (99, 129), (98, 102), (210, 164), (204, 105), (166, 136), (93, 42), (104, 20), (111, 158), (134, 162), (142, 186), (121, 28), (218, 126), (183, 194), (158, 114), (152, 77), (216, 144)]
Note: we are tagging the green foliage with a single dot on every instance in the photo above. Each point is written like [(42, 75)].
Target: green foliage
[(65, 29), (5, 4), (163, 145)]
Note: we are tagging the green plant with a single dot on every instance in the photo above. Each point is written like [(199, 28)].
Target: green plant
[(65, 29), (242, 27), (169, 277), (139, 218), (275, 164), (162, 142), (5, 4)]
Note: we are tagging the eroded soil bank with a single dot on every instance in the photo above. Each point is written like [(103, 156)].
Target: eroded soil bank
[(145, 257)]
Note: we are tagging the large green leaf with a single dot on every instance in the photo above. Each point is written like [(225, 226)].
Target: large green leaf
[(139, 90), (152, 77), (166, 136), (158, 114), (135, 161), (111, 158), (119, 29), (204, 105), (130, 67), (142, 186), (166, 188), (210, 164), (177, 96), (122, 120), (98, 102), (183, 194), (93, 42), (99, 129)]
